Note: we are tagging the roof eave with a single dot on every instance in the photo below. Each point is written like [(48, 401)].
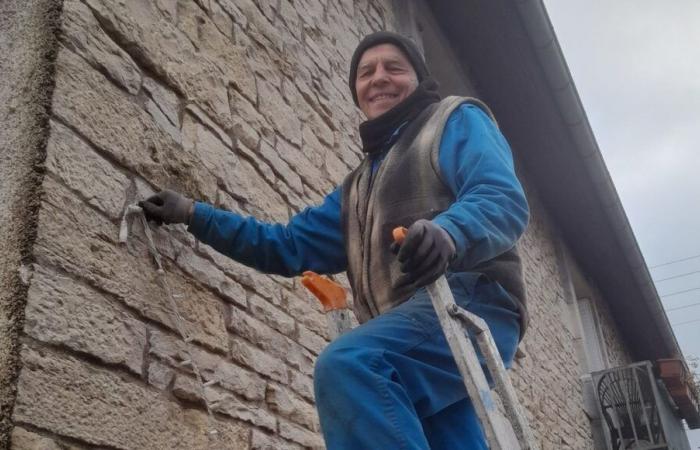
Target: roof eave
[(511, 53)]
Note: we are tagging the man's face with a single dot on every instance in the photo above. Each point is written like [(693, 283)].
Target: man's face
[(384, 78)]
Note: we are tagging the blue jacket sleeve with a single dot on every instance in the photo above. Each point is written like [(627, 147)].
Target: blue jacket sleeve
[(490, 211), (312, 240)]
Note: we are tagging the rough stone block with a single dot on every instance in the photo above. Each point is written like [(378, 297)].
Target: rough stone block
[(317, 53), (284, 119), (213, 367), (294, 432), (226, 202), (160, 375), (289, 405), (162, 121), (232, 9), (84, 99), (336, 93), (297, 62), (248, 124), (290, 17), (307, 109), (187, 389), (264, 169), (375, 15), (215, 155), (311, 340), (234, 171), (301, 359), (336, 169), (307, 311), (22, 439), (306, 162), (346, 38), (61, 311), (268, 8), (222, 21), (261, 362), (202, 117), (81, 169), (248, 277), (314, 11), (166, 100), (230, 171), (75, 399), (347, 150), (269, 153), (271, 341), (84, 244), (302, 384), (266, 203), (262, 441), (82, 34), (201, 70), (254, 330), (271, 315), (206, 273), (284, 282), (313, 148), (331, 113), (295, 202), (260, 27)]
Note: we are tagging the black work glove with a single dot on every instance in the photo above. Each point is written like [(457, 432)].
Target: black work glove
[(425, 253), (167, 207)]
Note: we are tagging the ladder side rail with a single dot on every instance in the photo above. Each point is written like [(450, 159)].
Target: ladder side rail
[(494, 362), (469, 367)]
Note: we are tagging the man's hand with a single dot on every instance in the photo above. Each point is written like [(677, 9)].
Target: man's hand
[(425, 253), (168, 207)]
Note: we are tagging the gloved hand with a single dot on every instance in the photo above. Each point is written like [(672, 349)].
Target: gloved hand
[(168, 207), (425, 253)]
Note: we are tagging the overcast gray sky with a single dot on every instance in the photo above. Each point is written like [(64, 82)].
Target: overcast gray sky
[(636, 64)]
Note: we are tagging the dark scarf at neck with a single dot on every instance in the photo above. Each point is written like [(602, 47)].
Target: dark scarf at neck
[(376, 132)]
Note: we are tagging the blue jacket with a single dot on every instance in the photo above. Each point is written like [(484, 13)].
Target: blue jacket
[(489, 214)]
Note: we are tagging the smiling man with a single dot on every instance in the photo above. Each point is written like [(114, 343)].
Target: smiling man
[(440, 168), (384, 79)]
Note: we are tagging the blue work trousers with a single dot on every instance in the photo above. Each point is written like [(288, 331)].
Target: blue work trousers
[(392, 382)]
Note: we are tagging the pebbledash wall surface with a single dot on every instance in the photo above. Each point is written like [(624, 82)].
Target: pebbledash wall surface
[(243, 104)]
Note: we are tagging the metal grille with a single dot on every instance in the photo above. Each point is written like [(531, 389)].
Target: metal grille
[(628, 400)]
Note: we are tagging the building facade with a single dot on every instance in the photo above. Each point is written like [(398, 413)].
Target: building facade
[(243, 104)]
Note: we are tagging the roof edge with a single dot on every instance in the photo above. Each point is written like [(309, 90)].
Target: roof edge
[(541, 34)]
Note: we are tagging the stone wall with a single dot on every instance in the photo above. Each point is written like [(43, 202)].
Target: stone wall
[(243, 104), (549, 375), (616, 352)]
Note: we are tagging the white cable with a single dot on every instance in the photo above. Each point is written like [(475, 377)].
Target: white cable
[(135, 210)]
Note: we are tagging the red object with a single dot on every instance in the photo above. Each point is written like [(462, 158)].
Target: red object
[(328, 292)]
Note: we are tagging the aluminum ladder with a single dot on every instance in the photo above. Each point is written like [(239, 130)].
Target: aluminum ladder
[(457, 323)]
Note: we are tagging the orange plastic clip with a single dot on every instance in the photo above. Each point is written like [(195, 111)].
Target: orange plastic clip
[(331, 295), (399, 234)]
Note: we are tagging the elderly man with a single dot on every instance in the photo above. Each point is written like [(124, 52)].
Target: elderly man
[(440, 168)]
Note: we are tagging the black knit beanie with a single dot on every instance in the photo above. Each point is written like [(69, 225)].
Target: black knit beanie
[(407, 46)]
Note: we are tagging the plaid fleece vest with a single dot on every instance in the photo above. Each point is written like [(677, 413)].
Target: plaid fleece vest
[(406, 187)]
